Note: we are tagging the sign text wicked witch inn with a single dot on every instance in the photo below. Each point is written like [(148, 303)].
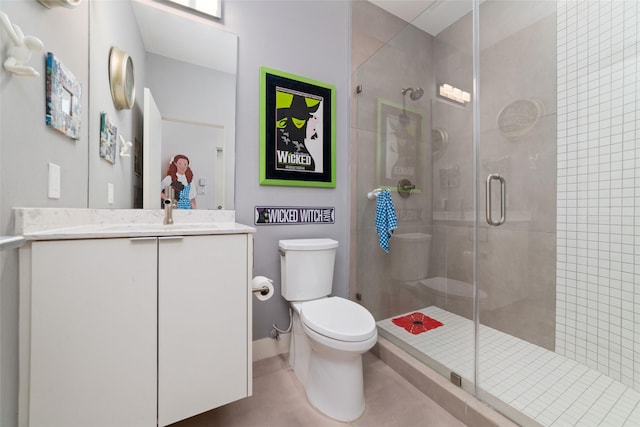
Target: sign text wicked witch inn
[(271, 215)]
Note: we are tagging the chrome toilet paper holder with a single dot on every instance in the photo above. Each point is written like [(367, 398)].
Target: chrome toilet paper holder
[(264, 290)]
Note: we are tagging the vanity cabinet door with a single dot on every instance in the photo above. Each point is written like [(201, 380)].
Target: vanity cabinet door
[(93, 333), (203, 324)]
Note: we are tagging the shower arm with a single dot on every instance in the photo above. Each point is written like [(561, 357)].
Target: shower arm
[(414, 94), (404, 97)]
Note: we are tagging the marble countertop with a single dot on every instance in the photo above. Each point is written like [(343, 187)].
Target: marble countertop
[(57, 224)]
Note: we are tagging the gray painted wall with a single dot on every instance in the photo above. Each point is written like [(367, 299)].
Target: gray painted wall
[(306, 37), (311, 39), (27, 146)]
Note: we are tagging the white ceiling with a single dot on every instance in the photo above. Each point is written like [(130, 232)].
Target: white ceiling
[(431, 16), (498, 19), (405, 9), (184, 36)]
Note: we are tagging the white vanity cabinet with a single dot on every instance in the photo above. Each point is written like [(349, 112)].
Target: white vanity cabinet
[(93, 333), (203, 324), (135, 332)]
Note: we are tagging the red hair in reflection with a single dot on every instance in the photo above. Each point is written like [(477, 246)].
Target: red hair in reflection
[(173, 169)]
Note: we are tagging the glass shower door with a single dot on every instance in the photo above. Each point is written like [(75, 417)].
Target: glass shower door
[(516, 169), (419, 145), (556, 192), (516, 196), (516, 201), (520, 235)]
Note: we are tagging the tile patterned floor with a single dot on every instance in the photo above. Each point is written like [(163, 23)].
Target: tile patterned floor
[(279, 401), (544, 388)]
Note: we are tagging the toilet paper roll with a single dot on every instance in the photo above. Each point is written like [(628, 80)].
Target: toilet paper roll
[(262, 288)]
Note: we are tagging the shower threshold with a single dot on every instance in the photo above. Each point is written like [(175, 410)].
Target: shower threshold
[(529, 384)]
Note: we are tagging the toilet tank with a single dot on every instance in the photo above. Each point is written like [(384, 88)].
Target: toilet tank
[(306, 268), (410, 254)]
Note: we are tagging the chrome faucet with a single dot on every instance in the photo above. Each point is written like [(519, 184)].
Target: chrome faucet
[(168, 204)]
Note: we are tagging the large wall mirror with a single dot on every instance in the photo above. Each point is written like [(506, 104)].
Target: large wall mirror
[(185, 86)]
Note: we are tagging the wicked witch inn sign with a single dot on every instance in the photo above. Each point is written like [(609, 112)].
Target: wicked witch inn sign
[(297, 140)]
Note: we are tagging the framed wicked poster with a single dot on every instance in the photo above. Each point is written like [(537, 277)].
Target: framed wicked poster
[(297, 131)]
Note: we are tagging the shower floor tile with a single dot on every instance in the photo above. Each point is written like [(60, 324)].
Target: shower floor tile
[(530, 384)]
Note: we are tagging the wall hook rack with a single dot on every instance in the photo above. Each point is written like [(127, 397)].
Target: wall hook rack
[(125, 146), (20, 53)]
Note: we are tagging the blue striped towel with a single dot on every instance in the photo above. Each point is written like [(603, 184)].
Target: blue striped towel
[(386, 220)]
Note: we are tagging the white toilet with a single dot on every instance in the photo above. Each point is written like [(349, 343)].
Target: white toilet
[(329, 334)]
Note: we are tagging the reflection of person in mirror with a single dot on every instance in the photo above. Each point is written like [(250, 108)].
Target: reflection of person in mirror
[(180, 177)]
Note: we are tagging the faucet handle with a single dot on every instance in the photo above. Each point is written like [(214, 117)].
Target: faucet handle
[(404, 187)]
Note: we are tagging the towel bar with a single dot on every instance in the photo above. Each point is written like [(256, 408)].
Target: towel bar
[(374, 193)]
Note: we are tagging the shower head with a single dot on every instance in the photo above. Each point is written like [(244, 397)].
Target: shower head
[(414, 94)]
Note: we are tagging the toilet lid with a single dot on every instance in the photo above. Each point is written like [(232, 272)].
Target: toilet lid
[(338, 318)]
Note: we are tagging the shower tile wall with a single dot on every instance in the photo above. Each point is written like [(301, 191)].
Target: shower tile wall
[(387, 55), (598, 205)]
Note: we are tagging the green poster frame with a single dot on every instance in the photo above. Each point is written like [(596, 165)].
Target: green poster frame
[(292, 107)]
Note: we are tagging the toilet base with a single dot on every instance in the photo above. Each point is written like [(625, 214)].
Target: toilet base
[(336, 388), (331, 376)]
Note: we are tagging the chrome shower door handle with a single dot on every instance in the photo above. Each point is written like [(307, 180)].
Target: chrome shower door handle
[(503, 199)]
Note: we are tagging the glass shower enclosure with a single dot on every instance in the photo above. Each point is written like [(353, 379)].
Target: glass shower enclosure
[(506, 134)]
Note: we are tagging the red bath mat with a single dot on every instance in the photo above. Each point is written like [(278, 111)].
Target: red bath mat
[(416, 323)]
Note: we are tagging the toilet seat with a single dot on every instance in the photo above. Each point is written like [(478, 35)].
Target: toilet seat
[(339, 319)]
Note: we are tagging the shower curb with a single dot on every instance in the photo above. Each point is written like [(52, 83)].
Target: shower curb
[(459, 403)]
